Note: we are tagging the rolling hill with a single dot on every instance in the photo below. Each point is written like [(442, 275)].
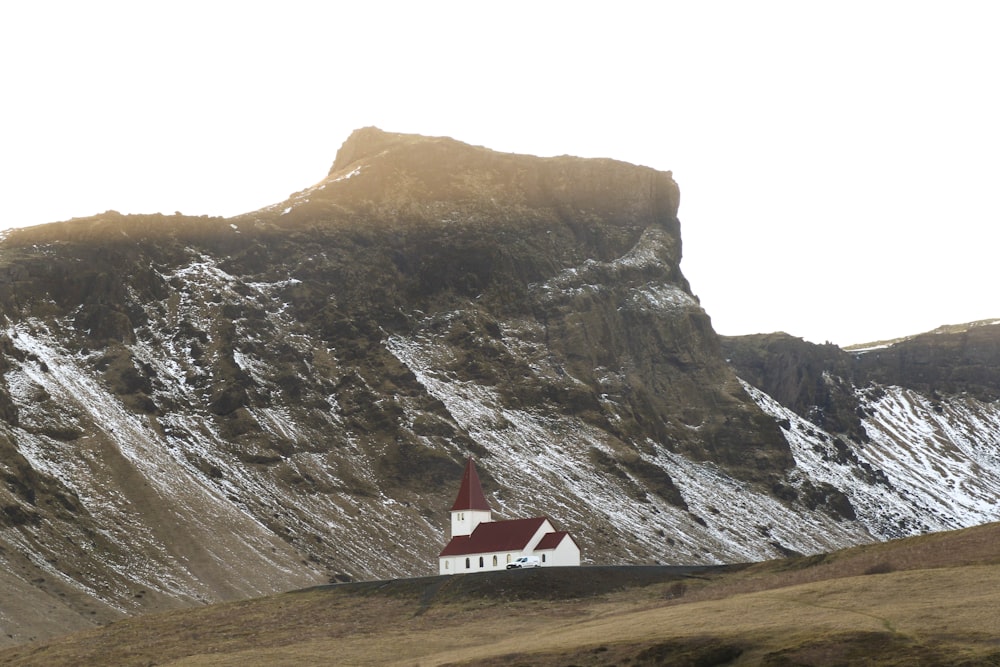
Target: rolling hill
[(928, 600)]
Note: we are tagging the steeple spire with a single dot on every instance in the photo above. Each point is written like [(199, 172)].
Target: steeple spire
[(470, 494), (470, 508)]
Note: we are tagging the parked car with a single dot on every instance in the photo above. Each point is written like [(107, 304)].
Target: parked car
[(524, 561)]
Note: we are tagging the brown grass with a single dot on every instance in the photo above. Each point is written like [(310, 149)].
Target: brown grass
[(930, 600)]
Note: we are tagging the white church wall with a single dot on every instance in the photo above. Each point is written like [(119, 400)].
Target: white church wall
[(463, 522), (567, 553), (492, 561), (546, 527)]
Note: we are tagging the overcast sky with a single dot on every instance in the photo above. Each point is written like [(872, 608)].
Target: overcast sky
[(839, 162)]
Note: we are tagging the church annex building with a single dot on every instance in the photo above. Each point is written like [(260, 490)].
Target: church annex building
[(478, 543)]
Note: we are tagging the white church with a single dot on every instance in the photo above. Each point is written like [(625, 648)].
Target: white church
[(478, 543)]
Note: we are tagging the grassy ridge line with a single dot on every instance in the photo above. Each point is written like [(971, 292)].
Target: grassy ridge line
[(944, 616), (930, 599), (896, 618)]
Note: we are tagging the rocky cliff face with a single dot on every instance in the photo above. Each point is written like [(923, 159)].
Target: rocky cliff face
[(908, 431), (821, 382), (198, 409)]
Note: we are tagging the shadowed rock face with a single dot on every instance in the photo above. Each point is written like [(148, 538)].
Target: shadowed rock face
[(821, 382), (950, 360), (583, 253), (404, 230), (801, 376), (200, 409)]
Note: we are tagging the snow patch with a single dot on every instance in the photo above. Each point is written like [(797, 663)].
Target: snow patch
[(926, 467), (354, 172), (661, 297), (549, 461)]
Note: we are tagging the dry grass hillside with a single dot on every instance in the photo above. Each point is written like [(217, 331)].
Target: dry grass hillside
[(931, 600)]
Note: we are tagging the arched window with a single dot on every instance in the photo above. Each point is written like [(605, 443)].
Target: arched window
[(494, 561), (467, 564), (480, 561), (508, 559), (543, 558), (446, 563)]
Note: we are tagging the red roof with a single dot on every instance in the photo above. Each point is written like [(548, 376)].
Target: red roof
[(551, 540), (470, 494), (494, 537)]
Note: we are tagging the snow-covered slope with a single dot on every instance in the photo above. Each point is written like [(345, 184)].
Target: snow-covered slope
[(545, 464), (929, 465), (169, 514)]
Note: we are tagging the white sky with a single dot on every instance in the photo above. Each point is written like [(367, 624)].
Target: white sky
[(839, 162)]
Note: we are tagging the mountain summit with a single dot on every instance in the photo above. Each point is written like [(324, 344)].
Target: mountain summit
[(196, 409)]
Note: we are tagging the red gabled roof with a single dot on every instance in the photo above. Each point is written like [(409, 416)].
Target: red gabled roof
[(551, 540), (470, 494), (494, 537)]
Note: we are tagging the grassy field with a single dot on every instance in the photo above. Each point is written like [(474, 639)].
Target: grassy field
[(932, 600)]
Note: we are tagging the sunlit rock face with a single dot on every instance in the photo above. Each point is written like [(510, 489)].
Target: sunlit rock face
[(198, 409)]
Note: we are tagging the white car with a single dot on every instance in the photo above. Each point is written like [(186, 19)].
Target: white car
[(524, 561)]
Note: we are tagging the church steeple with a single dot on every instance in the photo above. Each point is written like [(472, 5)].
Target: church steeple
[(470, 507), (470, 494)]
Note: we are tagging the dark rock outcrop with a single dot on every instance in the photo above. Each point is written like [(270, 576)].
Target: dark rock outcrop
[(815, 381), (950, 360), (821, 382)]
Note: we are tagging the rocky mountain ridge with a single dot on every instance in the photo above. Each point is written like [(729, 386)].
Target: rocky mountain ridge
[(199, 409)]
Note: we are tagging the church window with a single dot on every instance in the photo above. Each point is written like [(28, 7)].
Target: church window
[(508, 559), (467, 564), (480, 561), (494, 561), (543, 558), (446, 565)]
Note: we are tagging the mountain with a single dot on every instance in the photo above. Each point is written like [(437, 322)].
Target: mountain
[(204, 409)]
